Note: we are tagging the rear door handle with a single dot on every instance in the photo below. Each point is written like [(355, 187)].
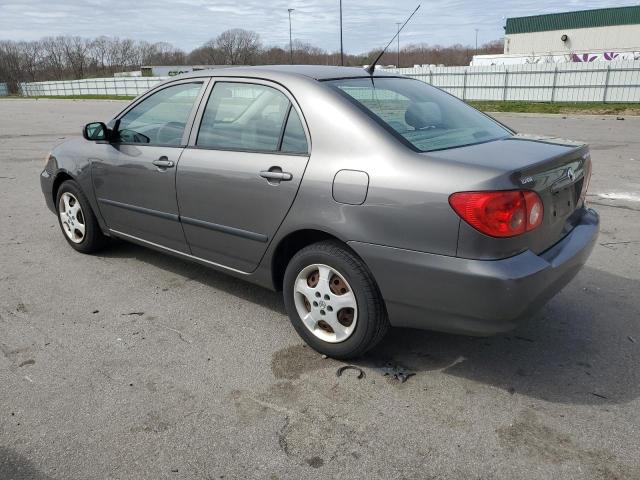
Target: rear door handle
[(278, 176), (163, 162)]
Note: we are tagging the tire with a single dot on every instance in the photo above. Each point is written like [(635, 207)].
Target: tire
[(344, 273), (82, 220)]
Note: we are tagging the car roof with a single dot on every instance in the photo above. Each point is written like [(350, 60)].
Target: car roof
[(316, 72)]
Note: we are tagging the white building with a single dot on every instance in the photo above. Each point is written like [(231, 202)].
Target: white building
[(605, 34), (173, 70)]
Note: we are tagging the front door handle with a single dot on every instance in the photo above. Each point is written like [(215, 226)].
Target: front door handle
[(276, 175), (163, 162)]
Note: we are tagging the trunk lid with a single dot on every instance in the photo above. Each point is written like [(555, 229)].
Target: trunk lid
[(559, 181), (556, 169)]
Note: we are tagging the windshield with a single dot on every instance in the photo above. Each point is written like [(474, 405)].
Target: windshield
[(425, 117)]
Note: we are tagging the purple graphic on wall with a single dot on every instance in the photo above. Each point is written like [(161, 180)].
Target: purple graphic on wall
[(583, 58), (605, 56)]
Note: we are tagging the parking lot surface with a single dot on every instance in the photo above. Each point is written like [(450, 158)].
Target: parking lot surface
[(134, 365)]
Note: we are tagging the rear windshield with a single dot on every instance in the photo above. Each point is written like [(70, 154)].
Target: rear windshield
[(423, 116)]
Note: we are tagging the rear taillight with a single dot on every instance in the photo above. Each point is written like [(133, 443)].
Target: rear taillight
[(503, 213)]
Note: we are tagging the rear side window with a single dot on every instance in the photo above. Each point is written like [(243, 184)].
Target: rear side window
[(294, 140), (422, 116), (243, 116)]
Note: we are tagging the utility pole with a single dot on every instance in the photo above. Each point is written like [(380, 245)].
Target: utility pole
[(476, 41), (398, 59), (341, 49), (290, 39)]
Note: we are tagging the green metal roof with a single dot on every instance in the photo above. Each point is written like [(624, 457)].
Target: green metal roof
[(603, 17)]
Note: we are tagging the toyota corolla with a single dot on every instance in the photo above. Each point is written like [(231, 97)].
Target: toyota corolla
[(369, 200)]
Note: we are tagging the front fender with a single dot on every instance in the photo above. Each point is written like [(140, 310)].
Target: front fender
[(72, 160)]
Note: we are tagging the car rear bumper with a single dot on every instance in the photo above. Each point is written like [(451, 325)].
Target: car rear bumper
[(475, 297)]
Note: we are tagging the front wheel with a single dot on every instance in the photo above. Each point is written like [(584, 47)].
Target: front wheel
[(333, 301), (77, 221)]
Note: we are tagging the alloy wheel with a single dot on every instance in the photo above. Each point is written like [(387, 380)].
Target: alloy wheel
[(326, 303), (71, 217)]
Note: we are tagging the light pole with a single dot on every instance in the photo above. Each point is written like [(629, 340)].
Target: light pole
[(398, 60), (341, 49), (290, 39), (476, 41)]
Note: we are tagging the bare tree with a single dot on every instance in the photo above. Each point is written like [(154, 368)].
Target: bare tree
[(304, 52), (127, 53), (31, 56), (99, 49), (275, 56), (65, 57), (207, 54), (54, 57), (10, 68), (76, 54), (162, 53), (238, 46)]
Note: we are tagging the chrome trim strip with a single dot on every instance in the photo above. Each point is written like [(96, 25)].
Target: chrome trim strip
[(186, 255), (258, 237), (134, 208)]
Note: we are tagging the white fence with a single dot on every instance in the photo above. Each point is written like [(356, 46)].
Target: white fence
[(122, 86), (562, 82), (4, 90)]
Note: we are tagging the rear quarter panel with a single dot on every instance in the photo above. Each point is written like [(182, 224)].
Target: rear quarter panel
[(406, 205)]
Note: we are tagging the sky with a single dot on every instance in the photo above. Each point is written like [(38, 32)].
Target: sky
[(367, 24)]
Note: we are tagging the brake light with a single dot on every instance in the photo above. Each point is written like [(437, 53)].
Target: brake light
[(503, 213)]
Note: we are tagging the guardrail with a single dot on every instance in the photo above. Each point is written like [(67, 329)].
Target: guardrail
[(562, 82)]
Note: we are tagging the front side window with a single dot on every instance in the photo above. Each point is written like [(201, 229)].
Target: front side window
[(161, 118), (243, 116), (422, 116)]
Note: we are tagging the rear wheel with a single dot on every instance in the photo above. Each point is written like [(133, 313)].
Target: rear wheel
[(77, 221), (333, 301)]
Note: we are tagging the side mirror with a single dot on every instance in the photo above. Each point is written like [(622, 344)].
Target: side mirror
[(95, 131)]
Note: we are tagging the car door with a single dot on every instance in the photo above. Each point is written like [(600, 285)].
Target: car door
[(241, 171), (134, 175)]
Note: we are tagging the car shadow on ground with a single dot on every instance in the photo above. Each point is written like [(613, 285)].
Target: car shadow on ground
[(16, 466), (582, 348), (199, 273)]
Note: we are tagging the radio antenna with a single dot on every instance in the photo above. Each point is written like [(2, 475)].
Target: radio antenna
[(370, 69)]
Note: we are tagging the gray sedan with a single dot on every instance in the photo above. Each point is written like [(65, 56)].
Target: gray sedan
[(369, 200)]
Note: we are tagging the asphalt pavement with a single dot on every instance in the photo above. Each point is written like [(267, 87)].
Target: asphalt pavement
[(134, 365)]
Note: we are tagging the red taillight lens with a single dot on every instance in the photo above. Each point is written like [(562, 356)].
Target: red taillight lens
[(503, 213)]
